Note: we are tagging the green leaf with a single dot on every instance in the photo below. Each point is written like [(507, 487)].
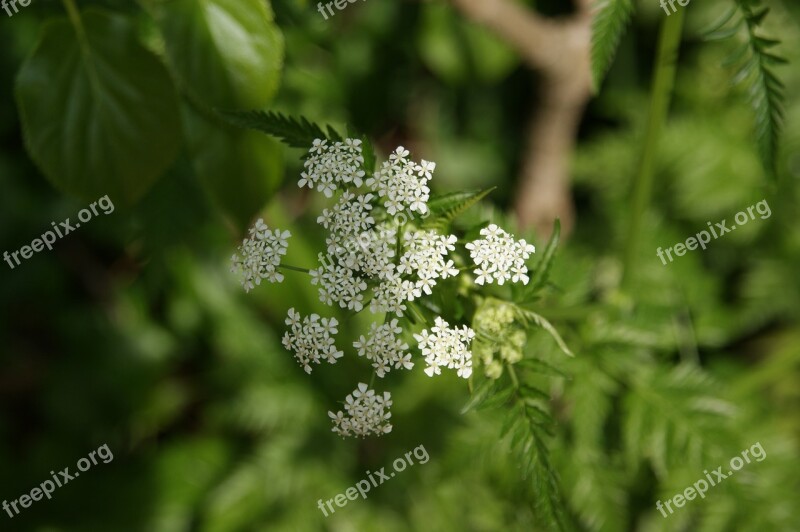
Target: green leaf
[(541, 273), (529, 317), (294, 132), (226, 54), (763, 88), (481, 393), (240, 169), (536, 365), (611, 17), (444, 209), (99, 112)]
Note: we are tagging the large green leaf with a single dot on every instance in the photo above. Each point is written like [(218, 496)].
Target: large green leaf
[(99, 113), (226, 54), (239, 168)]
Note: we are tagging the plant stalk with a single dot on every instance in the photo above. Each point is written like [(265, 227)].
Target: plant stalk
[(663, 83)]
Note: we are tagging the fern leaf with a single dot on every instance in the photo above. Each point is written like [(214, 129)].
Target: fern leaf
[(763, 88), (444, 209), (541, 273), (529, 317), (609, 23), (294, 132)]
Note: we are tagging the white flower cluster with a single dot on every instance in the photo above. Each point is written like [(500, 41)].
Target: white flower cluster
[(446, 347), (329, 165), (403, 183), (339, 284), (499, 257), (384, 349), (361, 253), (367, 413), (348, 219), (425, 253), (311, 339), (260, 255)]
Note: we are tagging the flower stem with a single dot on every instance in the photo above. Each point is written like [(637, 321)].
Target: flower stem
[(513, 375), (663, 83), (413, 307), (294, 268)]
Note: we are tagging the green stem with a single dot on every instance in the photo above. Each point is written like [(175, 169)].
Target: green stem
[(413, 307), (663, 83), (513, 375), (294, 268)]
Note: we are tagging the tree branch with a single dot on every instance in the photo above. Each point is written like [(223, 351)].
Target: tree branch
[(530, 34)]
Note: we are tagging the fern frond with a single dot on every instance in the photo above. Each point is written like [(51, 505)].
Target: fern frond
[(294, 132), (541, 273), (755, 61), (528, 422), (444, 209), (529, 318), (672, 417), (610, 19)]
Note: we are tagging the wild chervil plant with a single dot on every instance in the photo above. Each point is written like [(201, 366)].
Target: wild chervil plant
[(458, 297), (393, 251)]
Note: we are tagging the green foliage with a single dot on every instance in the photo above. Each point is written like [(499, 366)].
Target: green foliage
[(530, 318), (541, 272), (225, 54), (294, 132), (98, 111), (444, 209), (240, 169), (132, 332), (671, 418), (116, 98), (610, 19), (526, 425), (755, 62)]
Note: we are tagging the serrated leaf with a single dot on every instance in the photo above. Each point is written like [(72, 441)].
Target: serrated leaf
[(496, 400), (540, 366), (99, 113), (530, 317), (763, 88), (444, 209), (479, 395), (294, 132), (610, 19), (541, 272)]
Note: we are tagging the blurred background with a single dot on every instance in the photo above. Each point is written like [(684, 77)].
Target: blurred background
[(132, 331)]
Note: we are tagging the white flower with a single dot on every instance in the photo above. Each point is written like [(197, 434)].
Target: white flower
[(327, 166), (390, 295), (446, 347), (403, 183), (383, 348), (260, 254), (424, 254), (338, 284), (499, 257), (312, 341), (367, 413), (347, 219)]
